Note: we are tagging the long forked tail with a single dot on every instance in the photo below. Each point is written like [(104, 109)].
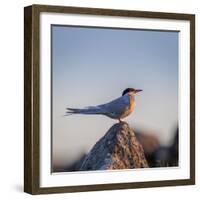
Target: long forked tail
[(88, 111)]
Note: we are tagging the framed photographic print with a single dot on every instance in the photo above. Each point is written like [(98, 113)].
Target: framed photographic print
[(109, 99)]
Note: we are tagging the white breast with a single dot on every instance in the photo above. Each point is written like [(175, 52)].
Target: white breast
[(131, 107)]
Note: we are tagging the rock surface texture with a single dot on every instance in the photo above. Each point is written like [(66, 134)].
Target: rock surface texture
[(117, 149)]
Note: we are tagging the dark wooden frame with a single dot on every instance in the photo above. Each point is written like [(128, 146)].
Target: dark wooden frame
[(32, 107)]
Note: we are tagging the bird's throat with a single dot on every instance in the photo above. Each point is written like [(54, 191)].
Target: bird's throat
[(132, 102)]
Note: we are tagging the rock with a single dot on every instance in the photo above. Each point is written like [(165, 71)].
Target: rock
[(117, 149)]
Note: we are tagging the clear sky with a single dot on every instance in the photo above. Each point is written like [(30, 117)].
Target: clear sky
[(91, 66)]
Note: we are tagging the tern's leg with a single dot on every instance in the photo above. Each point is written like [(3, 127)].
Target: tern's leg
[(120, 120)]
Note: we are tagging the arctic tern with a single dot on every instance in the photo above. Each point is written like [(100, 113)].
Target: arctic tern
[(116, 109)]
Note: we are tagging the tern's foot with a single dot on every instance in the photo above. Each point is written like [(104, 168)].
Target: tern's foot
[(120, 120)]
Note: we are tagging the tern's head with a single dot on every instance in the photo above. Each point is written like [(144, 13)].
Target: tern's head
[(131, 91)]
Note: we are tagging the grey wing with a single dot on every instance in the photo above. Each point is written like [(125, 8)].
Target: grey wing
[(117, 106)]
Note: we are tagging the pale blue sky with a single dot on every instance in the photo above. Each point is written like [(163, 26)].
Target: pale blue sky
[(91, 66)]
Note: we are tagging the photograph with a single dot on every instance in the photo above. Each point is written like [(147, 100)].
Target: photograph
[(114, 98)]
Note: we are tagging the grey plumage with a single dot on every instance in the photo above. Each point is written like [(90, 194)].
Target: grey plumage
[(111, 109), (86, 110), (116, 109)]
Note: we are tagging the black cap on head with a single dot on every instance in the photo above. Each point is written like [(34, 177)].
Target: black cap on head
[(128, 90)]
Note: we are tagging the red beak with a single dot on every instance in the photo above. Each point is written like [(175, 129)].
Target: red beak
[(136, 91)]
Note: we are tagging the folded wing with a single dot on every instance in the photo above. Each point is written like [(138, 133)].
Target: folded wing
[(113, 109), (116, 107)]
